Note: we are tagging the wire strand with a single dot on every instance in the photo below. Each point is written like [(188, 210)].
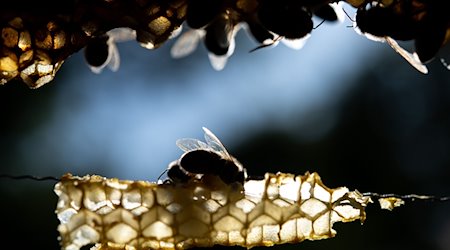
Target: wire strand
[(29, 177), (411, 197)]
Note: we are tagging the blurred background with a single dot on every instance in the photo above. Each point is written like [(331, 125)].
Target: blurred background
[(344, 106)]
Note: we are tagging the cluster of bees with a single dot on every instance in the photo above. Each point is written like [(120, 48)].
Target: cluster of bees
[(36, 40)]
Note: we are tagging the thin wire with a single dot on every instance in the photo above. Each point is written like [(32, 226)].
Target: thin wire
[(411, 197), (29, 177)]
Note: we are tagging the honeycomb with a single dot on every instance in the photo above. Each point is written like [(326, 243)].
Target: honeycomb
[(123, 214)]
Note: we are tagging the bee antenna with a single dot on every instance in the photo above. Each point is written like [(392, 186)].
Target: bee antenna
[(349, 17), (260, 47), (29, 177), (266, 45), (323, 20), (165, 171)]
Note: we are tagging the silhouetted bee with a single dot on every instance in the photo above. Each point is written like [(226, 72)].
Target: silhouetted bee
[(200, 13), (385, 24), (101, 51), (287, 18), (219, 35), (431, 34), (177, 174), (210, 158), (329, 12), (386, 21), (259, 33), (219, 39)]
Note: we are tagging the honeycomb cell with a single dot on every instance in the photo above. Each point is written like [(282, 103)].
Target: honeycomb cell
[(16, 23), (95, 197), (9, 63), (271, 234), (59, 40), (159, 25), (84, 235), (43, 40), (121, 233), (305, 191), (304, 228), (26, 57), (24, 41), (262, 220), (148, 198), (254, 236), (312, 207), (245, 205), (120, 215), (158, 230), (194, 228), (227, 224), (66, 214), (211, 206), (10, 37), (289, 190), (321, 194), (164, 196), (288, 231), (114, 196), (321, 225), (196, 212), (131, 199)]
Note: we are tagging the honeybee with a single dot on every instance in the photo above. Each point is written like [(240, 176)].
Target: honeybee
[(332, 12), (383, 21), (433, 30), (386, 24), (210, 158), (200, 13), (218, 38), (287, 18), (259, 33), (101, 51), (219, 35), (177, 174)]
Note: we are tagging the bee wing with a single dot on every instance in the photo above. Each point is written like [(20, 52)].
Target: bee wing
[(413, 59), (176, 32), (113, 61), (339, 9), (122, 34), (189, 144), (96, 70), (214, 143), (218, 62), (186, 43), (296, 43)]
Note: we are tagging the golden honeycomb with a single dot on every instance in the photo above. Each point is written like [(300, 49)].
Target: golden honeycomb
[(121, 214)]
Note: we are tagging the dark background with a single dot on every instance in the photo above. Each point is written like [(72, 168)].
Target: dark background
[(386, 130)]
